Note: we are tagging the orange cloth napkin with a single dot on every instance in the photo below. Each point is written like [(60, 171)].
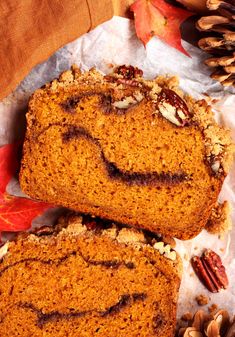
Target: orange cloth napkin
[(32, 30)]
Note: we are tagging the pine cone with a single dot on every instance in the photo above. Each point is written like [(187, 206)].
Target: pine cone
[(198, 6), (204, 325), (221, 25)]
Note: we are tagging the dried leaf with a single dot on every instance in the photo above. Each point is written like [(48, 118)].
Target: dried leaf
[(156, 17), (8, 164), (15, 213)]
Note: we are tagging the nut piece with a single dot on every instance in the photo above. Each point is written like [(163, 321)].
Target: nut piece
[(210, 271), (129, 101), (171, 256), (173, 108), (202, 300), (127, 75), (165, 250), (202, 274), (215, 266), (4, 250), (215, 166), (128, 72)]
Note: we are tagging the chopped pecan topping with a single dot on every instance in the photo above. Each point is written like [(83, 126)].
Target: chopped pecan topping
[(131, 83), (109, 105), (128, 72), (173, 108), (210, 270), (166, 250), (125, 81), (128, 101), (127, 75), (4, 250)]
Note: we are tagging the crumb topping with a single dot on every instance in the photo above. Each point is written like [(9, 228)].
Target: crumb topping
[(73, 226), (220, 220), (219, 149)]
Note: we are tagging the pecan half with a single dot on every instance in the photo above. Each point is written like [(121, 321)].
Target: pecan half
[(127, 75), (172, 107), (210, 271)]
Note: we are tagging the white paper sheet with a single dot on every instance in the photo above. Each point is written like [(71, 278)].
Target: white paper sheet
[(115, 42)]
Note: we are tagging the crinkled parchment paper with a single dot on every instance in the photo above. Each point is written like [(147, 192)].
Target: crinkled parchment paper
[(115, 42)]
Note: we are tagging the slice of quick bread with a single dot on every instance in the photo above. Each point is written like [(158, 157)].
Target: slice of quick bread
[(87, 279), (120, 147)]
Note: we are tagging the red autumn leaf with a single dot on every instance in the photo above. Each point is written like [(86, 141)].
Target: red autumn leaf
[(8, 164), (156, 17), (16, 213)]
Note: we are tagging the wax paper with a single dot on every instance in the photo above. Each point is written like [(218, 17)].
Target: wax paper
[(114, 43)]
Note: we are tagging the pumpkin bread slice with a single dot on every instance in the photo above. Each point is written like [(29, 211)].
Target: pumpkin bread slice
[(120, 147), (83, 279)]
